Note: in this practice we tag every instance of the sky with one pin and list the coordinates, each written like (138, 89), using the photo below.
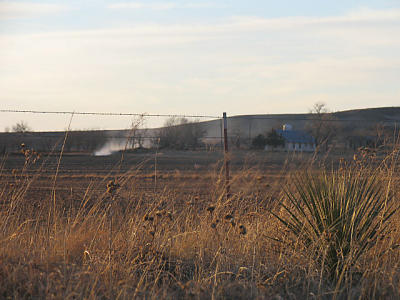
(194, 57)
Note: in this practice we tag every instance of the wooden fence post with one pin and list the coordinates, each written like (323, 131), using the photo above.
(226, 157)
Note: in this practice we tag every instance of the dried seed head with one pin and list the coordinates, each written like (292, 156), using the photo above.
(243, 270)
(112, 187)
(228, 217)
(211, 209)
(242, 229)
(148, 218)
(169, 215)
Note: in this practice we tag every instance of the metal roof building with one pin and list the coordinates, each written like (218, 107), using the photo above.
(295, 140)
(294, 136)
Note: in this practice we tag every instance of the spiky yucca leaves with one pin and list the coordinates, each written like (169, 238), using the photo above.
(338, 214)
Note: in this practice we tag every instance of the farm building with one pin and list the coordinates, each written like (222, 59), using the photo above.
(295, 140)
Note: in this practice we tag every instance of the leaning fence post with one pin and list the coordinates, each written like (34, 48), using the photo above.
(226, 157)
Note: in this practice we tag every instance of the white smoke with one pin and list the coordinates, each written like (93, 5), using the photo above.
(109, 148)
(115, 145)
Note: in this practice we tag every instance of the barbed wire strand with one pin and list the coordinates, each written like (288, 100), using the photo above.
(311, 117)
(36, 135)
(107, 114)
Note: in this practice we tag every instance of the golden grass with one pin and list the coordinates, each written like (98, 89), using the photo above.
(169, 243)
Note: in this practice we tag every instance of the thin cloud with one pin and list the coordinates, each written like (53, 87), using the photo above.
(12, 9)
(160, 5)
(360, 16)
(350, 59)
(348, 27)
(142, 5)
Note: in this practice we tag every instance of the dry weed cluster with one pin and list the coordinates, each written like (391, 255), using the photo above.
(127, 243)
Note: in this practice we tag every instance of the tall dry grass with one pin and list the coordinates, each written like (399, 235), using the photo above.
(168, 243)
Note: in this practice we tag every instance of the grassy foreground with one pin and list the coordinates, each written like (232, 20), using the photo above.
(126, 242)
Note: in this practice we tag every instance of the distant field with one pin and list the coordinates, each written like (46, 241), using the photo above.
(168, 161)
(195, 169)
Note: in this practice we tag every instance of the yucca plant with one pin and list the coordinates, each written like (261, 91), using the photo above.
(338, 215)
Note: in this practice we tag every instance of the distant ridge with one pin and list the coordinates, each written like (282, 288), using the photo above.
(251, 125)
(241, 128)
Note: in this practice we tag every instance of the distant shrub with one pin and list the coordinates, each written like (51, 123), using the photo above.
(259, 142)
(274, 139)
(180, 134)
(271, 139)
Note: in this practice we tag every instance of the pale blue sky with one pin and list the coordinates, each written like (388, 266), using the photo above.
(195, 57)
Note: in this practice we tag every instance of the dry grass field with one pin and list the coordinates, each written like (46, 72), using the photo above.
(159, 226)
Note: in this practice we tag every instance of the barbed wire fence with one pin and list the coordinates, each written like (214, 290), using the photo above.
(123, 135)
(295, 117)
(221, 137)
(216, 136)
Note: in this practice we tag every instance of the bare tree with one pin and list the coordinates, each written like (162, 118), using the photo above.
(136, 133)
(21, 127)
(322, 125)
(236, 138)
(181, 134)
